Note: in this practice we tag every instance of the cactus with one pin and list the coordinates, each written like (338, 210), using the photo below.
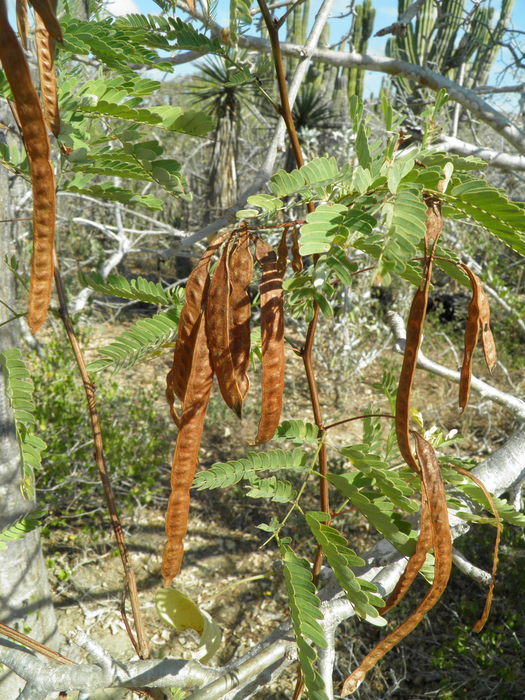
(433, 40)
(358, 41)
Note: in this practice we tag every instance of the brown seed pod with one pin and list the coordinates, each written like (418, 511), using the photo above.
(38, 153)
(218, 326)
(297, 261)
(186, 453)
(45, 49)
(196, 289)
(21, 21)
(282, 252)
(46, 9)
(487, 339)
(415, 323)
(442, 543)
(471, 338)
(241, 274)
(272, 336)
(416, 561)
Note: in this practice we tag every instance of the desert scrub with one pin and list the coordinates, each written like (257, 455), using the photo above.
(137, 441)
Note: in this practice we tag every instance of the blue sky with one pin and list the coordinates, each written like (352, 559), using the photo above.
(386, 13)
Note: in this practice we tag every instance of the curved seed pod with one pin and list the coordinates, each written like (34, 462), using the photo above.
(442, 543)
(21, 21)
(282, 252)
(218, 326)
(45, 49)
(241, 273)
(487, 339)
(272, 335)
(38, 153)
(415, 323)
(480, 624)
(186, 454)
(196, 289)
(416, 561)
(46, 9)
(471, 338)
(297, 261)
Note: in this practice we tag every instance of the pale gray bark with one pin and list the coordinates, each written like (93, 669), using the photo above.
(25, 598)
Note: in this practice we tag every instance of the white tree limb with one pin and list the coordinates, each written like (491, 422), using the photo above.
(498, 159)
(511, 403)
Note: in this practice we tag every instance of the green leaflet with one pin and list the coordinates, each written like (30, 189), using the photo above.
(489, 207)
(378, 512)
(222, 474)
(390, 483)
(137, 288)
(20, 392)
(341, 558)
(317, 173)
(305, 609)
(322, 225)
(504, 509)
(407, 224)
(139, 342)
(21, 527)
(106, 190)
(277, 490)
(297, 431)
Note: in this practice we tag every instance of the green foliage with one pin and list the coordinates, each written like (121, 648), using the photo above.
(318, 173)
(143, 340)
(305, 609)
(20, 528)
(136, 439)
(137, 289)
(335, 547)
(222, 474)
(20, 390)
(297, 431)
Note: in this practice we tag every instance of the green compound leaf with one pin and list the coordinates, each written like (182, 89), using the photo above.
(341, 558)
(317, 173)
(222, 474)
(21, 527)
(20, 387)
(142, 340)
(137, 289)
(378, 511)
(322, 225)
(390, 483)
(298, 431)
(305, 609)
(272, 489)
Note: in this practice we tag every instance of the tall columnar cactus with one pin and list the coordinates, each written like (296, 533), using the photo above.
(358, 41)
(452, 38)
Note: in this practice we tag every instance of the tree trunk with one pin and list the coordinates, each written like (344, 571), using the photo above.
(25, 597)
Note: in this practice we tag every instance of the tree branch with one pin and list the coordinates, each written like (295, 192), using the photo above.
(511, 403)
(498, 159)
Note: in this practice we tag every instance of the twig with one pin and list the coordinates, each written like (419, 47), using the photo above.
(100, 460)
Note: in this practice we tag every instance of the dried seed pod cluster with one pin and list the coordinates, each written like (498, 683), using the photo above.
(34, 132)
(434, 522)
(214, 339)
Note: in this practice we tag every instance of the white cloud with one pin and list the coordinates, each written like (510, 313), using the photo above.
(122, 7)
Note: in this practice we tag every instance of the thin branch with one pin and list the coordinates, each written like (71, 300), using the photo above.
(498, 159)
(511, 403)
(100, 459)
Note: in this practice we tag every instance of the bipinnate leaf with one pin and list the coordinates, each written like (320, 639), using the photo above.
(140, 341)
(321, 227)
(20, 388)
(305, 610)
(298, 431)
(316, 173)
(433, 486)
(222, 474)
(341, 558)
(272, 341)
(136, 288)
(186, 454)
